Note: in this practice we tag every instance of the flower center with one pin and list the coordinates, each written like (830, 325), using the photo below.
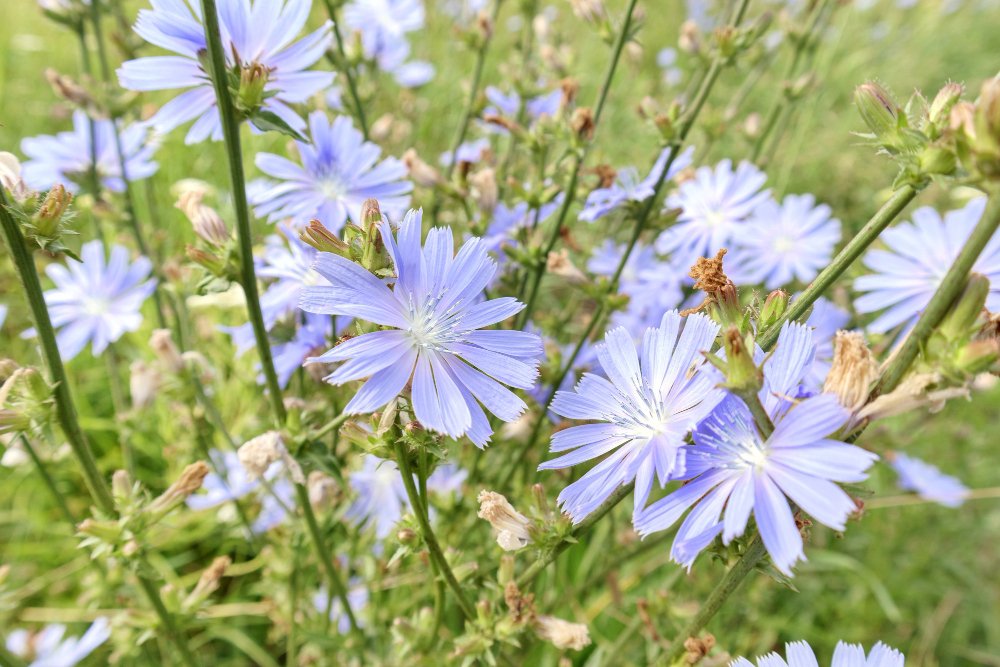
(331, 188)
(96, 306)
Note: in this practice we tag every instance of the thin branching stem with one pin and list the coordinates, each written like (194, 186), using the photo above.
(348, 69)
(231, 134)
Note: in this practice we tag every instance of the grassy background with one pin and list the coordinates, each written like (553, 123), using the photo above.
(917, 576)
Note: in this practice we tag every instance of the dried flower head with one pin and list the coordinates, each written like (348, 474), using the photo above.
(257, 455)
(562, 634)
(853, 371)
(511, 527)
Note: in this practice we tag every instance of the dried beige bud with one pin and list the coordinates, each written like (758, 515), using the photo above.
(511, 527)
(484, 189)
(322, 489)
(257, 455)
(591, 11)
(68, 89)
(690, 38)
(190, 481)
(582, 123)
(562, 634)
(208, 583)
(420, 172)
(708, 274)
(10, 177)
(205, 220)
(144, 381)
(853, 371)
(558, 263)
(162, 344)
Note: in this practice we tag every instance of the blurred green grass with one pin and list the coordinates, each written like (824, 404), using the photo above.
(919, 577)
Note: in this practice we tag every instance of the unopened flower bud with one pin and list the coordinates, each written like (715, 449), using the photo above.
(407, 536)
(374, 254)
(774, 307)
(879, 111)
(511, 527)
(47, 220)
(978, 356)
(690, 37)
(591, 11)
(208, 582)
(121, 485)
(570, 87)
(205, 220)
(420, 172)
(250, 96)
(321, 238)
(484, 189)
(68, 89)
(962, 321)
(190, 480)
(257, 455)
(943, 102)
(562, 634)
(25, 400)
(853, 371)
(742, 374)
(322, 489)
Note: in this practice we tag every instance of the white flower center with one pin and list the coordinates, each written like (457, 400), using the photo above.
(331, 188)
(96, 306)
(784, 244)
(430, 329)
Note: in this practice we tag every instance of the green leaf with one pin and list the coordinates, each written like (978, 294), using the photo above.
(269, 121)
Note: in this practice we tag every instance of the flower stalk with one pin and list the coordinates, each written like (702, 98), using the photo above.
(231, 134)
(352, 86)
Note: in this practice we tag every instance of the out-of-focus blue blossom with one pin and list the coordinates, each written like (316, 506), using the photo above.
(381, 495)
(261, 32)
(234, 485)
(95, 301)
(714, 205)
(357, 597)
(652, 285)
(65, 158)
(436, 340)
(783, 242)
(666, 59)
(275, 505)
(48, 648)
(383, 25)
(470, 152)
(928, 481)
(800, 654)
(628, 187)
(641, 413)
(339, 170)
(508, 105)
(732, 471)
(3, 313)
(826, 319)
(507, 220)
(918, 255)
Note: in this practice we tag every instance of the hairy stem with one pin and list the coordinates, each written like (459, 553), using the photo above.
(437, 555)
(65, 409)
(167, 620)
(950, 289)
(50, 483)
(334, 582)
(248, 276)
(857, 245)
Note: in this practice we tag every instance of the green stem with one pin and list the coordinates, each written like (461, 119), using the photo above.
(437, 555)
(470, 103)
(119, 402)
(734, 577)
(332, 425)
(569, 192)
(65, 409)
(348, 69)
(334, 582)
(167, 620)
(231, 133)
(548, 557)
(951, 287)
(291, 659)
(857, 245)
(50, 483)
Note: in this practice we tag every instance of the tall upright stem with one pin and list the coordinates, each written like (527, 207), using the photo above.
(844, 259)
(352, 86)
(65, 409)
(951, 287)
(231, 134)
(437, 555)
(470, 103)
(569, 192)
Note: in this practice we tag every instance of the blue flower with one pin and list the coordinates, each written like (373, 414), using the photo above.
(96, 302)
(394, 59)
(509, 105)
(508, 220)
(357, 597)
(275, 506)
(470, 152)
(233, 485)
(652, 285)
(666, 59)
(627, 186)
(732, 471)
(48, 648)
(783, 242)
(258, 32)
(434, 312)
(713, 204)
(927, 481)
(383, 25)
(339, 171)
(66, 157)
(800, 654)
(642, 413)
(919, 254)
(381, 494)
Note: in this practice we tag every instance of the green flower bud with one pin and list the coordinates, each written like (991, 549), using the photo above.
(944, 101)
(374, 255)
(47, 220)
(962, 321)
(774, 307)
(250, 94)
(321, 238)
(879, 111)
(978, 356)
